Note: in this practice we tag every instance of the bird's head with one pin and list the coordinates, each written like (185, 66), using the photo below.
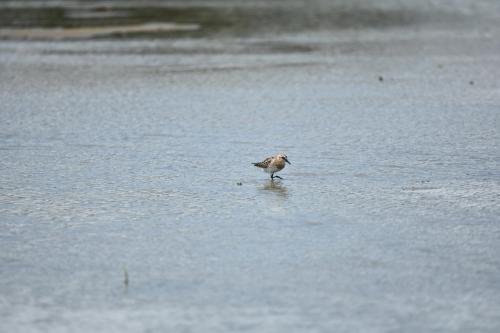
(284, 157)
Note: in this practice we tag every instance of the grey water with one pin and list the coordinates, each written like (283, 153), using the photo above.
(128, 202)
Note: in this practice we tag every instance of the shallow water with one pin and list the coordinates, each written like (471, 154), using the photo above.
(126, 156)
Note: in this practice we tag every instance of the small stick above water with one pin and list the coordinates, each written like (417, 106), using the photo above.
(125, 277)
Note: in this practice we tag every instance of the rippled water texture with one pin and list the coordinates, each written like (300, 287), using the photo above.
(128, 201)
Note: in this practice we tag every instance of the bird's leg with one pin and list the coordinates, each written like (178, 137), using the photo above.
(278, 177)
(272, 175)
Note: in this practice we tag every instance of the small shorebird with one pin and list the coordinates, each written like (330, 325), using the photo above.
(273, 164)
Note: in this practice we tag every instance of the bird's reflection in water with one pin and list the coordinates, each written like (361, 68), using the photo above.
(276, 187)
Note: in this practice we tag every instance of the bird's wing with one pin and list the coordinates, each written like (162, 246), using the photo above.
(264, 164)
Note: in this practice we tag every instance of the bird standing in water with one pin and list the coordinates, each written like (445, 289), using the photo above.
(273, 164)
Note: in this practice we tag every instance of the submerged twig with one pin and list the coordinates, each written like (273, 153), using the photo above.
(125, 277)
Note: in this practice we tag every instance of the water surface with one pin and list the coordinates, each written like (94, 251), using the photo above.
(127, 154)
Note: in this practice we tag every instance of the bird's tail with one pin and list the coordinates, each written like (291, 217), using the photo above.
(259, 165)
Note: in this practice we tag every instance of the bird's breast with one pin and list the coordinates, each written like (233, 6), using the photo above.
(279, 164)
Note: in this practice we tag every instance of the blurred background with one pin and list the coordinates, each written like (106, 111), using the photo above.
(32, 19)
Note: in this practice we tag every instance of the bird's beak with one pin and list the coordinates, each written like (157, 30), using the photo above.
(287, 161)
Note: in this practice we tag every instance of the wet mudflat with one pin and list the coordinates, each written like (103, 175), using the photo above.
(124, 152)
